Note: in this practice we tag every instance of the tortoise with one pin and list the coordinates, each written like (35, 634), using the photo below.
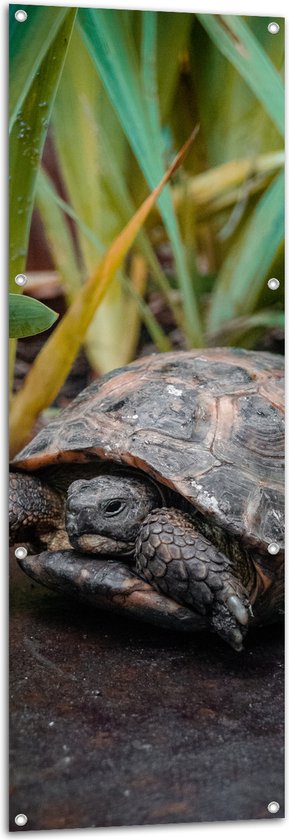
(158, 492)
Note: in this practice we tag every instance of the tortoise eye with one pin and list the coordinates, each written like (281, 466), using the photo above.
(113, 507)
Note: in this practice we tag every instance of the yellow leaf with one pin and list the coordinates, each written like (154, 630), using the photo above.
(54, 361)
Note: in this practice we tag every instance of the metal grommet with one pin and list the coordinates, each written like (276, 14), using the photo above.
(273, 284)
(273, 28)
(21, 15)
(21, 552)
(273, 807)
(21, 820)
(273, 548)
(21, 279)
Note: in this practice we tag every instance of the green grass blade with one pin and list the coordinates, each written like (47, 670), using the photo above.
(46, 190)
(27, 139)
(125, 208)
(52, 364)
(99, 199)
(234, 39)
(80, 165)
(58, 234)
(231, 332)
(218, 181)
(149, 79)
(149, 82)
(173, 34)
(116, 183)
(117, 67)
(112, 52)
(52, 210)
(242, 276)
(161, 341)
(26, 144)
(82, 109)
(28, 46)
(50, 206)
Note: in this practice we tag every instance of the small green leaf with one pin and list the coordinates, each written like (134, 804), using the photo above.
(28, 316)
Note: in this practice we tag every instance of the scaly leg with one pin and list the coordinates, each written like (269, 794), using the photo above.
(177, 560)
(35, 512)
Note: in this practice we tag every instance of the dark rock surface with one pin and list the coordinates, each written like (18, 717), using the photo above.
(117, 723)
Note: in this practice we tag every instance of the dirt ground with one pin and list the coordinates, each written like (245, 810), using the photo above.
(117, 723)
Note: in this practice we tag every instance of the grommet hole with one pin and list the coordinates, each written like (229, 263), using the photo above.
(273, 284)
(273, 27)
(273, 548)
(21, 16)
(21, 552)
(273, 807)
(21, 820)
(21, 279)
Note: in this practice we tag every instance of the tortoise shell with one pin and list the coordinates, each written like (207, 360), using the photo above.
(206, 423)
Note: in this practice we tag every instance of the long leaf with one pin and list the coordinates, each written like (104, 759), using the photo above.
(49, 202)
(56, 357)
(47, 191)
(204, 188)
(235, 40)
(53, 209)
(28, 45)
(82, 109)
(116, 183)
(135, 292)
(58, 234)
(243, 273)
(173, 35)
(26, 145)
(231, 331)
(115, 58)
(102, 203)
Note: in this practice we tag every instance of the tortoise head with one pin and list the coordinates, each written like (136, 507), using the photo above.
(104, 514)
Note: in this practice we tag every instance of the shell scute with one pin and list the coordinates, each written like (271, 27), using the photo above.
(207, 423)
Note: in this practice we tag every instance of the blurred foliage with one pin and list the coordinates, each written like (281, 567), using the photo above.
(124, 90)
(55, 359)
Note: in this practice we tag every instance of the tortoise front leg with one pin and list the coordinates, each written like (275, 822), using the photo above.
(35, 512)
(179, 561)
(110, 585)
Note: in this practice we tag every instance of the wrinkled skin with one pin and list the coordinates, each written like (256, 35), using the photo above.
(161, 544)
(169, 552)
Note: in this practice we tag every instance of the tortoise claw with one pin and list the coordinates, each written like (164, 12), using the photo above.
(226, 625)
(231, 613)
(236, 640)
(238, 609)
